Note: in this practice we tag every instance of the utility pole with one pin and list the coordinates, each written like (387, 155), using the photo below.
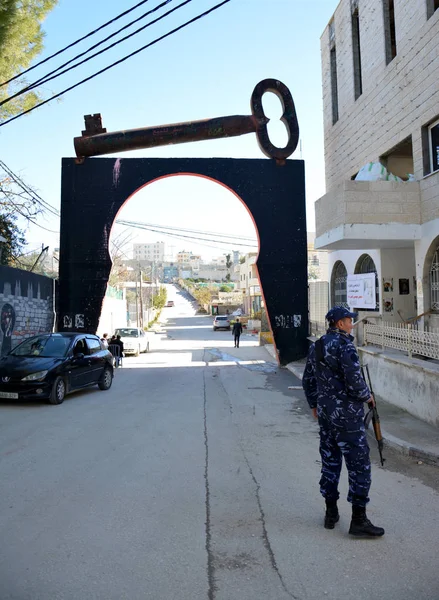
(137, 305)
(141, 300)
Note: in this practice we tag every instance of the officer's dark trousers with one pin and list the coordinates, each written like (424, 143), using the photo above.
(344, 436)
(237, 340)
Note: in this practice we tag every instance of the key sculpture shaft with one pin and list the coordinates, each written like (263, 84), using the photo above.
(96, 141)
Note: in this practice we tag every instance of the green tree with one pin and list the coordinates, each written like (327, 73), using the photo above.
(21, 40)
(14, 240)
(159, 299)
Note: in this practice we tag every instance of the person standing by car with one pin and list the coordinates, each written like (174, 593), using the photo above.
(236, 332)
(118, 342)
(104, 340)
(336, 392)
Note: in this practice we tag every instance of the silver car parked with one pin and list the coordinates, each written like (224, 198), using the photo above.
(221, 322)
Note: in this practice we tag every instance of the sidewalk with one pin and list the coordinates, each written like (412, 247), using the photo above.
(401, 431)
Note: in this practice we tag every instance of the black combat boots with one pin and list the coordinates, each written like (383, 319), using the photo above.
(331, 516)
(361, 526)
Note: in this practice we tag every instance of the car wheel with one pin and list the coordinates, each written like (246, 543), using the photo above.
(58, 392)
(106, 379)
(214, 328)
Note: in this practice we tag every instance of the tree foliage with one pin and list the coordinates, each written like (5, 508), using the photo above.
(14, 240)
(21, 40)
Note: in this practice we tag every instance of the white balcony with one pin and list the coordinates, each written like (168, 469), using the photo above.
(370, 214)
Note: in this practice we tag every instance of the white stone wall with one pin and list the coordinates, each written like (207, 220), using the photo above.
(391, 263)
(409, 383)
(398, 99)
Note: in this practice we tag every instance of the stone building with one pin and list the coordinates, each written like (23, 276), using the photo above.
(381, 105)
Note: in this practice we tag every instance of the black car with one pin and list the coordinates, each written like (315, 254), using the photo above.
(52, 365)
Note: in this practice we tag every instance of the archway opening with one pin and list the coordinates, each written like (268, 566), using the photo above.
(190, 230)
(339, 279)
(365, 264)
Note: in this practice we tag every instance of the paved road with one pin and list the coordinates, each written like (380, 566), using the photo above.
(195, 477)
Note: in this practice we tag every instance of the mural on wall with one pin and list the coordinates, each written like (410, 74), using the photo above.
(26, 306)
(7, 324)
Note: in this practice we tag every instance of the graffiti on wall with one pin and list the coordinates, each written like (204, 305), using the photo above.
(26, 306)
(7, 324)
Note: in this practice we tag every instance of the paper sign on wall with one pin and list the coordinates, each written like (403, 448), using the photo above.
(361, 291)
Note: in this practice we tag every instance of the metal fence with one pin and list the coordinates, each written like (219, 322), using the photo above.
(404, 338)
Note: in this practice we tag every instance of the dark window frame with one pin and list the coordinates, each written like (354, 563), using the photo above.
(356, 52)
(432, 7)
(339, 290)
(389, 30)
(365, 264)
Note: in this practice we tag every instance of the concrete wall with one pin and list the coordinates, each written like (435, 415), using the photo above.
(411, 384)
(398, 99)
(26, 305)
(113, 315)
(369, 202)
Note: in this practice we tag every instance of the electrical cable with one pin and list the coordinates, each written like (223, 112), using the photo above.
(91, 33)
(224, 235)
(118, 62)
(54, 74)
(34, 195)
(195, 238)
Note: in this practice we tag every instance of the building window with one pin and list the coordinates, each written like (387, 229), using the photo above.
(389, 29)
(432, 7)
(365, 264)
(334, 86)
(339, 285)
(358, 82)
(433, 142)
(434, 281)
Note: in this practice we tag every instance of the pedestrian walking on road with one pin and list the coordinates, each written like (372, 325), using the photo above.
(336, 392)
(236, 332)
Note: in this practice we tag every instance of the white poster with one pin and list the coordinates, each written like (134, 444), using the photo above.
(361, 291)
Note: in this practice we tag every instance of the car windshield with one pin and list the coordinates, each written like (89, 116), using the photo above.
(127, 332)
(48, 346)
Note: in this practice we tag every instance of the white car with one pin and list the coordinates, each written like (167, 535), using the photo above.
(134, 339)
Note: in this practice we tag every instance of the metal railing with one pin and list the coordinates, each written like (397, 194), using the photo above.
(403, 337)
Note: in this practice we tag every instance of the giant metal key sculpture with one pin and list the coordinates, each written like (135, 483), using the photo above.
(95, 140)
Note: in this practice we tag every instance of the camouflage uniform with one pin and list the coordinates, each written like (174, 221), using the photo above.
(335, 386)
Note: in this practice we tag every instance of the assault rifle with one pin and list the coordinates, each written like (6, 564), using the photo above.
(373, 415)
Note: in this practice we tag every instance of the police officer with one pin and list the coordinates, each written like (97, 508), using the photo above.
(336, 392)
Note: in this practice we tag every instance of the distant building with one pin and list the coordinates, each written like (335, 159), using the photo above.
(317, 260)
(183, 258)
(249, 284)
(149, 252)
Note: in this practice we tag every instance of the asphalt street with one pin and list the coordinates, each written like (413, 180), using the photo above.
(196, 477)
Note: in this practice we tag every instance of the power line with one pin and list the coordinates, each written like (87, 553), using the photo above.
(29, 191)
(91, 33)
(54, 74)
(214, 233)
(227, 243)
(118, 62)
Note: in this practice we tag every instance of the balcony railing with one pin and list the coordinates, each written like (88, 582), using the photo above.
(404, 338)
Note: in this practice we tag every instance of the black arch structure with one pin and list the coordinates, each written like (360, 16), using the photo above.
(93, 191)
